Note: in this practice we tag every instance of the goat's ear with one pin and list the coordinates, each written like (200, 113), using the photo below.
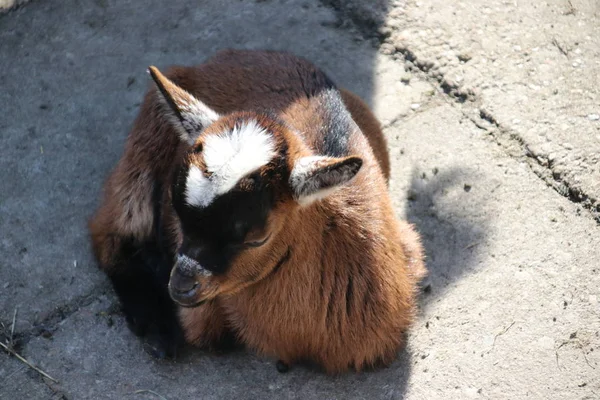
(316, 177)
(189, 115)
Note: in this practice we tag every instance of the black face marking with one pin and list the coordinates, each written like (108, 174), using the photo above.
(215, 235)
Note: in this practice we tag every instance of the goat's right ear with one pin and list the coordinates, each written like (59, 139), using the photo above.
(190, 116)
(316, 177)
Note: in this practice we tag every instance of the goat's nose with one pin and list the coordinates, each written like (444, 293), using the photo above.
(183, 288)
(182, 283)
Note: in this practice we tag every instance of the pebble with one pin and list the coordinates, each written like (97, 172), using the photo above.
(387, 49)
(415, 106)
(464, 57)
(593, 117)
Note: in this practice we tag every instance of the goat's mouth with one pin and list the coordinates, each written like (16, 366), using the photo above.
(184, 289)
(185, 298)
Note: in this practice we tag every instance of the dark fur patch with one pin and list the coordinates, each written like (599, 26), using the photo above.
(141, 285)
(337, 126)
(349, 298)
(286, 256)
(282, 261)
(323, 270)
(140, 277)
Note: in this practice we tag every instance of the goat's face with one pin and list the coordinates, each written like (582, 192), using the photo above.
(243, 174)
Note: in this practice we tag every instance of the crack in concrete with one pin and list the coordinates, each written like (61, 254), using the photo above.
(542, 167)
(514, 145)
(49, 323)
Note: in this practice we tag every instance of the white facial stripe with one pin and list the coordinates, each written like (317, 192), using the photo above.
(228, 157)
(232, 155)
(199, 190)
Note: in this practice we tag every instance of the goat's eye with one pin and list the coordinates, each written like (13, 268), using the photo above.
(257, 243)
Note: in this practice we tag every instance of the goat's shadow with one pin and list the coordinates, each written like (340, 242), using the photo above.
(260, 378)
(450, 237)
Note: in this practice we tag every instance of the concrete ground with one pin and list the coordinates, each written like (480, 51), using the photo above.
(492, 112)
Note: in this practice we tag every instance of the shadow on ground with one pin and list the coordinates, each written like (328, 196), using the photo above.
(450, 242)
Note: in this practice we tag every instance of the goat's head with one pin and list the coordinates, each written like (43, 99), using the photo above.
(243, 173)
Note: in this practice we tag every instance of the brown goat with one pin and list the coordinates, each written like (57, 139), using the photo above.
(258, 191)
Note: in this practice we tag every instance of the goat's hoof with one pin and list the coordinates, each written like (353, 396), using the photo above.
(282, 367)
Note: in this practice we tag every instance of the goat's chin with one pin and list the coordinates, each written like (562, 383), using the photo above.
(188, 304)
(211, 292)
(188, 299)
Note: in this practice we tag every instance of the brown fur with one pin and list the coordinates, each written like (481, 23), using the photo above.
(337, 283)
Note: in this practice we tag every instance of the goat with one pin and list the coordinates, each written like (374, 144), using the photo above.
(253, 193)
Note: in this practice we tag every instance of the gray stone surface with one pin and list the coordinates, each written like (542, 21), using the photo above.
(19, 382)
(511, 307)
(529, 72)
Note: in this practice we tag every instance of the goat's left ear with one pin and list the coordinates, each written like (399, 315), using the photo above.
(190, 116)
(316, 177)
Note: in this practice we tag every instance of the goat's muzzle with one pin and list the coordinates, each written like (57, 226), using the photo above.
(184, 285)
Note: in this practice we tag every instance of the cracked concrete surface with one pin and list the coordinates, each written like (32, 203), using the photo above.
(489, 109)
(530, 70)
